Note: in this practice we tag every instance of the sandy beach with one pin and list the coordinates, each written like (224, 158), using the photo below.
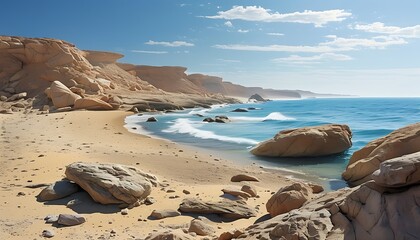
(36, 149)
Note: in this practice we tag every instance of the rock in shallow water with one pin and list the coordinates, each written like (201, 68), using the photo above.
(112, 183)
(307, 142)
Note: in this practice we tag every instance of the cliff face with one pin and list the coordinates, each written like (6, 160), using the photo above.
(170, 79)
(32, 64)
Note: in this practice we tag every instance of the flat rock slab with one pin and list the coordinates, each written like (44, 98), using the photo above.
(57, 190)
(111, 183)
(164, 213)
(70, 220)
(226, 208)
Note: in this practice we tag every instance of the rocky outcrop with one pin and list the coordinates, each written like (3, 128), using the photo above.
(169, 234)
(365, 161)
(383, 208)
(307, 142)
(111, 183)
(99, 57)
(57, 190)
(225, 208)
(256, 97)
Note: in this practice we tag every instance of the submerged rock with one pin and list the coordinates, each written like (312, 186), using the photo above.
(221, 119)
(240, 110)
(151, 119)
(307, 142)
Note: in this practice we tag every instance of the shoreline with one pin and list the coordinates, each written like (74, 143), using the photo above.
(38, 147)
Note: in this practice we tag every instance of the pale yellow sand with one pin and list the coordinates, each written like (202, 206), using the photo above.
(36, 149)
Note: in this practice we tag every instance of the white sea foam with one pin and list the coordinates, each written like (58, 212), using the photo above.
(274, 116)
(186, 126)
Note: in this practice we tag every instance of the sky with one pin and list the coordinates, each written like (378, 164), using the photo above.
(358, 47)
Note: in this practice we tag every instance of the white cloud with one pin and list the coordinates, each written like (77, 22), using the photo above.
(243, 31)
(228, 24)
(170, 44)
(275, 34)
(380, 42)
(335, 44)
(150, 52)
(378, 27)
(260, 14)
(275, 48)
(296, 59)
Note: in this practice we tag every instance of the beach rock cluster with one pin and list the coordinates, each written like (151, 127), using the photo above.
(367, 160)
(307, 142)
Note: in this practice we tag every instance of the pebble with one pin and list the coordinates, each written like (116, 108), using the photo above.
(124, 211)
(48, 233)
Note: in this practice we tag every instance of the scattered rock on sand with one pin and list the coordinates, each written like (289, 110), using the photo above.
(307, 142)
(288, 198)
(51, 219)
(249, 189)
(57, 190)
(225, 208)
(17, 96)
(124, 211)
(70, 219)
(164, 213)
(234, 191)
(186, 192)
(48, 233)
(201, 228)
(169, 234)
(149, 200)
(111, 183)
(244, 177)
(151, 119)
(365, 161)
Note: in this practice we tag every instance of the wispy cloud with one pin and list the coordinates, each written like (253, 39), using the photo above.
(228, 24)
(380, 42)
(170, 44)
(228, 60)
(275, 34)
(335, 44)
(260, 14)
(378, 27)
(149, 52)
(243, 31)
(296, 59)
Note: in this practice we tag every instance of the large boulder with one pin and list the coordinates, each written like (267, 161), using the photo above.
(307, 142)
(61, 95)
(92, 104)
(111, 183)
(365, 161)
(225, 208)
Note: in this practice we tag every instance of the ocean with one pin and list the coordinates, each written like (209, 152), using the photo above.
(368, 118)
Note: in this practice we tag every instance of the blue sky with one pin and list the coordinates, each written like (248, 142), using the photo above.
(367, 48)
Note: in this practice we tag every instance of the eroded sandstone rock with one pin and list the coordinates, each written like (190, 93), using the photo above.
(307, 142)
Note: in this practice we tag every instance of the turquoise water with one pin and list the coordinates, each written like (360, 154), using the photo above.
(368, 118)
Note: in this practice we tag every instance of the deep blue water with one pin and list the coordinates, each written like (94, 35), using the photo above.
(368, 118)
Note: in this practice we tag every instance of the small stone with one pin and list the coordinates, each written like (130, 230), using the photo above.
(70, 220)
(170, 191)
(186, 191)
(165, 213)
(48, 233)
(51, 218)
(3, 98)
(151, 119)
(149, 200)
(73, 203)
(113, 231)
(124, 211)
(20, 194)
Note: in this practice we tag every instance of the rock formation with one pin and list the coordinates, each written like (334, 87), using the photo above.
(57, 190)
(111, 183)
(386, 207)
(307, 142)
(365, 161)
